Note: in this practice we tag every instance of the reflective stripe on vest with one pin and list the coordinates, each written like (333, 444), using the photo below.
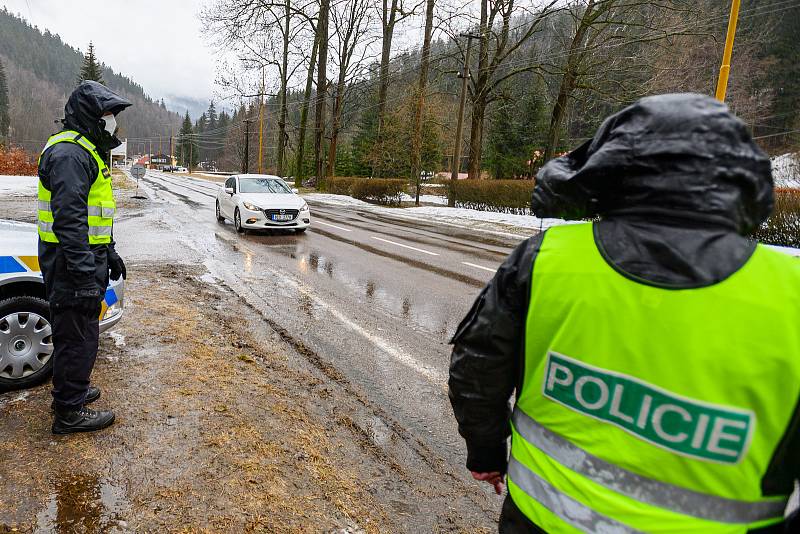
(639, 410)
(680, 500)
(101, 206)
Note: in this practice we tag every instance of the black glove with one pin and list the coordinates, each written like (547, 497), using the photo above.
(116, 265)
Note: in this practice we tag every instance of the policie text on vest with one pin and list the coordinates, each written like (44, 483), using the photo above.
(682, 425)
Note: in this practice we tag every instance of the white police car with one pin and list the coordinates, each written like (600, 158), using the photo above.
(26, 344)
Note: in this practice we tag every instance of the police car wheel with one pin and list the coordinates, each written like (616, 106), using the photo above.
(220, 218)
(26, 342)
(237, 221)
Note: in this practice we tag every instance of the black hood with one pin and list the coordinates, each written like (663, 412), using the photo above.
(86, 105)
(680, 156)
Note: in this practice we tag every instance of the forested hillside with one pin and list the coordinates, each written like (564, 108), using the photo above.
(41, 70)
(541, 82)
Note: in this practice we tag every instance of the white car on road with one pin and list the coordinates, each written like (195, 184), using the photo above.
(262, 202)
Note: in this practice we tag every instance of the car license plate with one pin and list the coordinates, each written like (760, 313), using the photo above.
(282, 217)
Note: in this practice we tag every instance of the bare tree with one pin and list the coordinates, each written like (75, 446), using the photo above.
(425, 60)
(504, 27)
(610, 52)
(352, 35)
(322, 91)
(392, 13)
(261, 33)
(301, 134)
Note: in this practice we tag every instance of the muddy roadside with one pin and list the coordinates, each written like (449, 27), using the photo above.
(225, 424)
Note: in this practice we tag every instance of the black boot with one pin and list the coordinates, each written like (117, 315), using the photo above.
(92, 394)
(82, 420)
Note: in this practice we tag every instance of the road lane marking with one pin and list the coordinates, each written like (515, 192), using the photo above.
(479, 266)
(405, 246)
(332, 226)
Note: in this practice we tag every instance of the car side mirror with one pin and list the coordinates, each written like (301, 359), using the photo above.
(295, 190)
(229, 190)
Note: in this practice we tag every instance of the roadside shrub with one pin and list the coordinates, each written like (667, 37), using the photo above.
(380, 190)
(783, 226)
(16, 162)
(340, 186)
(504, 196)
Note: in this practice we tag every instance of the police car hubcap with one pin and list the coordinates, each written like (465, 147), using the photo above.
(26, 344)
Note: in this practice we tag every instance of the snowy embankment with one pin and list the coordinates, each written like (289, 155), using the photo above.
(466, 218)
(786, 171)
(18, 186)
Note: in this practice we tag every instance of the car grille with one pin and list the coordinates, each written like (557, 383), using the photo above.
(270, 213)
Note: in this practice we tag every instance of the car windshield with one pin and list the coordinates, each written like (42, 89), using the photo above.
(262, 185)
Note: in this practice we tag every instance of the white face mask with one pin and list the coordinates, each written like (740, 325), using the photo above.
(111, 123)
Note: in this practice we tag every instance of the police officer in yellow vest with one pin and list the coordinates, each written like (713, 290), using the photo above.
(655, 352)
(76, 247)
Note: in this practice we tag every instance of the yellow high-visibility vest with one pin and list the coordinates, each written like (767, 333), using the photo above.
(101, 206)
(653, 409)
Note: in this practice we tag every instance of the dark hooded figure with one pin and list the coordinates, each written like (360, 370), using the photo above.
(76, 247)
(654, 353)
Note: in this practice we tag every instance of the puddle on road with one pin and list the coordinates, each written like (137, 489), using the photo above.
(83, 503)
(315, 262)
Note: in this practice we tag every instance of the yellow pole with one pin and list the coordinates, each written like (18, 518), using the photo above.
(261, 125)
(725, 69)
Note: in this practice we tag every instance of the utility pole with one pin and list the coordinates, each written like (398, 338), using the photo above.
(261, 123)
(725, 69)
(456, 166)
(246, 163)
(191, 143)
(170, 145)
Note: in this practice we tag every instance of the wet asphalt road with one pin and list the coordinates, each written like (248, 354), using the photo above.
(374, 296)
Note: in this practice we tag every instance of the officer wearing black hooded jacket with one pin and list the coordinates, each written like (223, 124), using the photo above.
(654, 353)
(74, 255)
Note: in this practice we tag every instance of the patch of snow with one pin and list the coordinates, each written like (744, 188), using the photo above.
(119, 339)
(462, 215)
(426, 199)
(210, 279)
(11, 398)
(18, 186)
(786, 170)
(337, 200)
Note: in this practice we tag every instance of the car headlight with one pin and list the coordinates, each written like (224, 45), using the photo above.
(112, 311)
(251, 207)
(304, 207)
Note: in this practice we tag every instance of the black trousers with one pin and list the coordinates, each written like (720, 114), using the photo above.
(75, 339)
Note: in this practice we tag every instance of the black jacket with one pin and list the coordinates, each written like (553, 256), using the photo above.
(73, 268)
(676, 183)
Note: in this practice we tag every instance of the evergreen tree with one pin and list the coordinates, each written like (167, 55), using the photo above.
(187, 148)
(5, 120)
(514, 135)
(211, 117)
(91, 69)
(364, 141)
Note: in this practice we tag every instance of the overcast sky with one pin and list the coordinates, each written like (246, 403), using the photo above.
(157, 43)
